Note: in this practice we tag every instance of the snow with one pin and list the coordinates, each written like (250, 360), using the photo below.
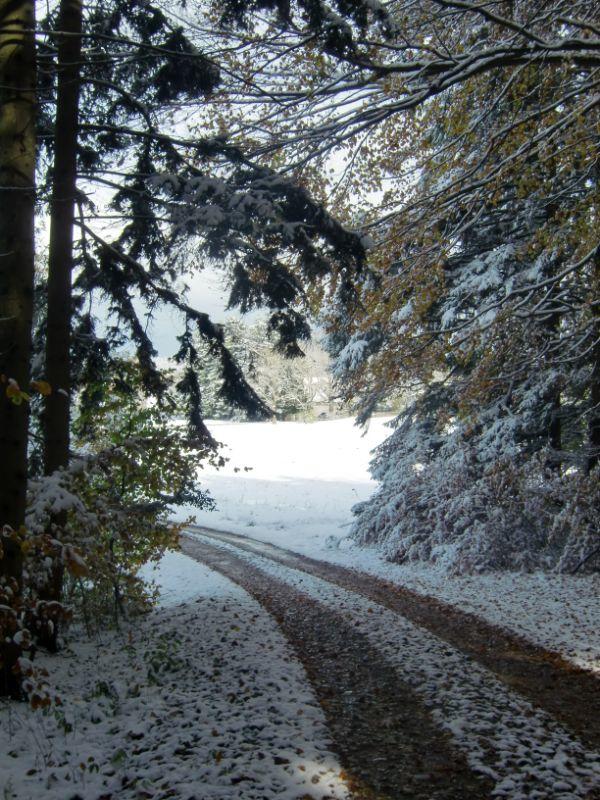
(558, 612)
(204, 700)
(304, 480)
(179, 579)
(521, 749)
(351, 356)
(49, 495)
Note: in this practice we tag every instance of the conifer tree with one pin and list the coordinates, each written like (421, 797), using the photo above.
(114, 77)
(481, 152)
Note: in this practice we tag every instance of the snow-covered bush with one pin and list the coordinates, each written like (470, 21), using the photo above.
(89, 528)
(441, 501)
(136, 465)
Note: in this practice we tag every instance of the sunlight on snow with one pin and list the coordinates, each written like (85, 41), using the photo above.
(303, 479)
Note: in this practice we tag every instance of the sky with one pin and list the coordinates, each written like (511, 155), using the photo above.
(208, 294)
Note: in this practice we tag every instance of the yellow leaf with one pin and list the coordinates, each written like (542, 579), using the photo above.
(43, 387)
(14, 393)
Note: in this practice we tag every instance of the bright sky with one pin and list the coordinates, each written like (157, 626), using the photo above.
(208, 294)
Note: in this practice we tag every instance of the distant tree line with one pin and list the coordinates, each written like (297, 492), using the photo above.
(292, 388)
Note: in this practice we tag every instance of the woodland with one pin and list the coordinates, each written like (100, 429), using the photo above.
(419, 181)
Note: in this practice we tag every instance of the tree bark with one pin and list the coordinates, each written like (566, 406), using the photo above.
(60, 266)
(594, 423)
(555, 437)
(17, 201)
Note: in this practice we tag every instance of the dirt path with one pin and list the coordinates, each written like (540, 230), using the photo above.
(569, 694)
(390, 747)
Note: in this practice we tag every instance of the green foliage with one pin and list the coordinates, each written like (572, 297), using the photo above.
(164, 659)
(147, 464)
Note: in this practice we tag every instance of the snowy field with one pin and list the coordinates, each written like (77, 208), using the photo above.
(303, 480)
(291, 481)
(204, 700)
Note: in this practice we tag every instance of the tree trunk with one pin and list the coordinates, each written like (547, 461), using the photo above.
(17, 201)
(60, 267)
(555, 438)
(594, 423)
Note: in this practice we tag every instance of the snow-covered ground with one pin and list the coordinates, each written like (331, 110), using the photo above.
(524, 752)
(303, 480)
(203, 700)
(295, 481)
(179, 579)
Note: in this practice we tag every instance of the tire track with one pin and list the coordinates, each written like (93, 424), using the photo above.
(569, 694)
(387, 741)
(522, 750)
